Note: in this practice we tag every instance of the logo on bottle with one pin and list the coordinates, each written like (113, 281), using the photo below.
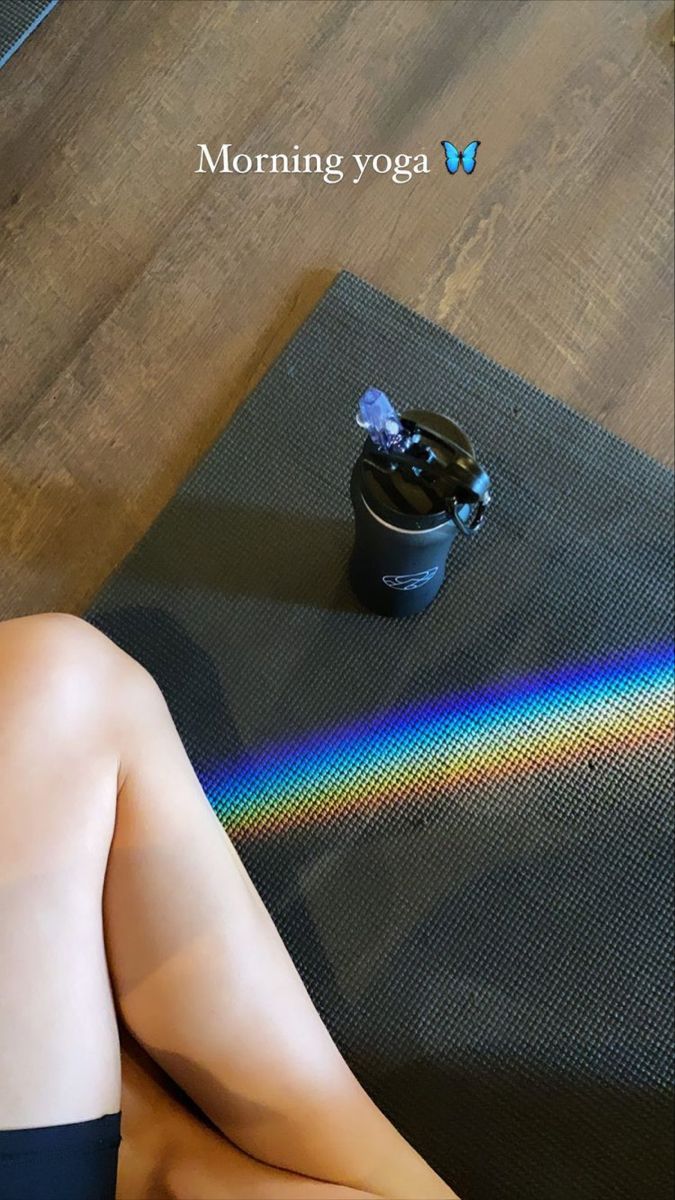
(408, 583)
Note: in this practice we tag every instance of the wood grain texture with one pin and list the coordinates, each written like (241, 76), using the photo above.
(140, 301)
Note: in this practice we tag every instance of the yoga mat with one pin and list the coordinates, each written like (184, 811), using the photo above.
(18, 19)
(460, 822)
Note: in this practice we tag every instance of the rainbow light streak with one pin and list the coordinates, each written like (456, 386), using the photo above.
(549, 721)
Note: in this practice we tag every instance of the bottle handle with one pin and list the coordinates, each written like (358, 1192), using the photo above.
(475, 521)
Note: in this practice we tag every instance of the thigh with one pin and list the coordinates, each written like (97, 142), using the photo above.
(59, 1051)
(169, 1149)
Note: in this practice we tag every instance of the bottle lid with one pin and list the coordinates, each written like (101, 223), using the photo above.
(436, 479)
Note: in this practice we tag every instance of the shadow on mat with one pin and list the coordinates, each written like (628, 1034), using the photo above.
(283, 556)
(502, 1135)
(492, 1137)
(184, 671)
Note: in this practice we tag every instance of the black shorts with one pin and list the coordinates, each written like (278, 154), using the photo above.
(61, 1162)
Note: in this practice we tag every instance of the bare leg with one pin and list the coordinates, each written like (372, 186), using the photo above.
(59, 1047)
(199, 971)
(168, 1150)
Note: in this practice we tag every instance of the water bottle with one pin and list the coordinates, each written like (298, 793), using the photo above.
(415, 486)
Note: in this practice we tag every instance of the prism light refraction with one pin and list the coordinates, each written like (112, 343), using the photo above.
(425, 752)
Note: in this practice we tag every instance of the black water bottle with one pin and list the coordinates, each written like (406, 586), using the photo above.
(414, 487)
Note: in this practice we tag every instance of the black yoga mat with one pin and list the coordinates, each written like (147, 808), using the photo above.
(18, 19)
(460, 822)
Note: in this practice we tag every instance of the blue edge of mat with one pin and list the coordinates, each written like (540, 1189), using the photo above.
(27, 31)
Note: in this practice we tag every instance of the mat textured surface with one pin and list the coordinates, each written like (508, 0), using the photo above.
(18, 19)
(460, 822)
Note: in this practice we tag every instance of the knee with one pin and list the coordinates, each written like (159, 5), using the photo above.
(48, 645)
(56, 668)
(58, 755)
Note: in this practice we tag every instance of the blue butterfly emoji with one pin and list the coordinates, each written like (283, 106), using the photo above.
(467, 157)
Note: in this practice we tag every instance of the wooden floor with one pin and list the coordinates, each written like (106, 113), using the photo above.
(140, 300)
